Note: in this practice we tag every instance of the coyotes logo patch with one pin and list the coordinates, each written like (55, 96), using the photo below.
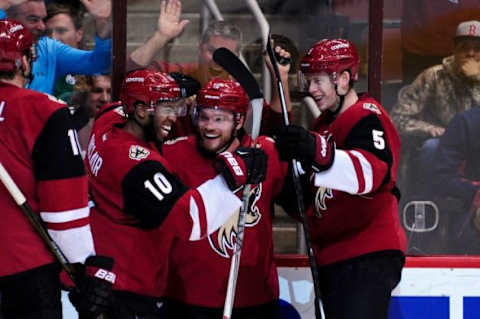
(138, 152)
(320, 200)
(372, 107)
(223, 240)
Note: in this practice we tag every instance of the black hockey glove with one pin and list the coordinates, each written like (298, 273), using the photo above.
(309, 148)
(244, 166)
(93, 294)
(188, 85)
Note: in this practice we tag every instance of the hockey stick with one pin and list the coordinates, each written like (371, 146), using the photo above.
(21, 201)
(264, 28)
(213, 9)
(232, 64)
(235, 67)
(298, 188)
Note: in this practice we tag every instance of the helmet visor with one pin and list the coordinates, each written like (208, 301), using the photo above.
(307, 80)
(168, 108)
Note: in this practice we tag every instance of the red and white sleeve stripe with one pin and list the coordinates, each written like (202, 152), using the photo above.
(65, 212)
(211, 205)
(71, 231)
(354, 172)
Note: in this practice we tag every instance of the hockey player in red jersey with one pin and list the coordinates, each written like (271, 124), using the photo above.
(352, 154)
(141, 206)
(40, 151)
(199, 271)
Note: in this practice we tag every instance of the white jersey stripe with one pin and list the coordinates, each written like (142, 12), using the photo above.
(195, 234)
(75, 243)
(342, 175)
(367, 171)
(65, 216)
(220, 204)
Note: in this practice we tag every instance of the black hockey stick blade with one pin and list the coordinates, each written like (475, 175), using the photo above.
(232, 64)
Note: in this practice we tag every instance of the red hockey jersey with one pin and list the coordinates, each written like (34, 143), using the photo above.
(354, 210)
(141, 207)
(199, 270)
(39, 148)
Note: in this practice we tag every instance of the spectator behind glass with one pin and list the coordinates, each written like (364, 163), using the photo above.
(65, 24)
(218, 34)
(425, 27)
(91, 93)
(457, 177)
(56, 59)
(426, 106)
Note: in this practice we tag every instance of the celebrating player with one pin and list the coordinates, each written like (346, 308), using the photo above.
(352, 153)
(40, 150)
(199, 271)
(141, 206)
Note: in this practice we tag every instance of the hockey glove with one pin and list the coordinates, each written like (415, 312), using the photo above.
(244, 166)
(309, 148)
(93, 294)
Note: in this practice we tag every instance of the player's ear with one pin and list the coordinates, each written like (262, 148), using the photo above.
(141, 111)
(343, 82)
(240, 122)
(26, 66)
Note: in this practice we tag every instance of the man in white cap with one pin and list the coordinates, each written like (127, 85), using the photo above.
(426, 106)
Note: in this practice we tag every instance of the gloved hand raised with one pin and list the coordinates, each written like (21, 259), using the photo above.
(93, 294)
(243, 166)
(309, 148)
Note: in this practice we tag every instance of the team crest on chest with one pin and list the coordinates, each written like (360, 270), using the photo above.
(138, 152)
(223, 240)
(321, 200)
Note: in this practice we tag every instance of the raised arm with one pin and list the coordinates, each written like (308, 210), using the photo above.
(283, 67)
(169, 26)
(101, 11)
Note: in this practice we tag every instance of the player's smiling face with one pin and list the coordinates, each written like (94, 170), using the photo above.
(322, 89)
(215, 129)
(165, 116)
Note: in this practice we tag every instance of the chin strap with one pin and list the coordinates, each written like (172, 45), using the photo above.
(341, 100)
(28, 77)
(148, 129)
(239, 134)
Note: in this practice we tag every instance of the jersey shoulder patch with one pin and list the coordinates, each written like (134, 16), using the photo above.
(138, 153)
(372, 107)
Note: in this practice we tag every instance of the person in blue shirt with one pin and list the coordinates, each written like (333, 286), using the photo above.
(55, 59)
(456, 181)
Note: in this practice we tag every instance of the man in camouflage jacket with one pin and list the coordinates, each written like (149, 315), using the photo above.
(426, 106)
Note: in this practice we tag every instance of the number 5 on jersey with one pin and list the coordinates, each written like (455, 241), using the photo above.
(378, 140)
